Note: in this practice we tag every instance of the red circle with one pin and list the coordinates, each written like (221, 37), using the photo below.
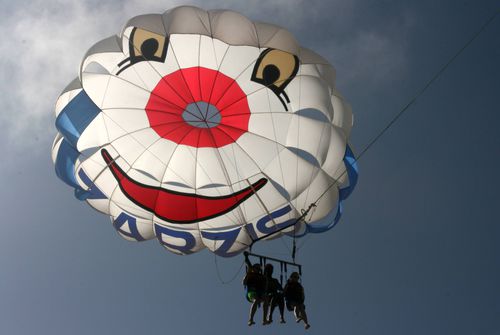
(175, 91)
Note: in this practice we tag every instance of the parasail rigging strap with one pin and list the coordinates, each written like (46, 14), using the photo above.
(281, 274)
(283, 264)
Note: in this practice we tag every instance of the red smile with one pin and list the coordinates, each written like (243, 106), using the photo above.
(176, 206)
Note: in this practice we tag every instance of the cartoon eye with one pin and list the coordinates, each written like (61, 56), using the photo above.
(275, 69)
(145, 45)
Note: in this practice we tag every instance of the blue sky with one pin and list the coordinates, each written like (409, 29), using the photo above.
(416, 252)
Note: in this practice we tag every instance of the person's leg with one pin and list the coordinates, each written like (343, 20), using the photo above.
(302, 312)
(296, 312)
(265, 308)
(281, 305)
(272, 306)
(253, 309)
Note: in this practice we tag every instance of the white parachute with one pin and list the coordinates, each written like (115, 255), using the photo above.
(205, 129)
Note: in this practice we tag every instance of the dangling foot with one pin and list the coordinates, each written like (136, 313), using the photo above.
(282, 320)
(250, 322)
(298, 320)
(307, 326)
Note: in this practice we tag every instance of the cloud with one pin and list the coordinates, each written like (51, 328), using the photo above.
(40, 55)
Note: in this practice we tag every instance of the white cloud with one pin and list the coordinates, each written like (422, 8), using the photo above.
(41, 53)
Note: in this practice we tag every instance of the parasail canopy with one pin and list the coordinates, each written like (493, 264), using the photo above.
(203, 129)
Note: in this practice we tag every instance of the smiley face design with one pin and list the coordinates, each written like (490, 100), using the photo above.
(204, 129)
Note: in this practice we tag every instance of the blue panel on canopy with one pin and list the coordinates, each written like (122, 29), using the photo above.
(76, 116)
(65, 163)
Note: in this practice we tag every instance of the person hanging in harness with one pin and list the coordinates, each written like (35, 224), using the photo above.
(294, 296)
(255, 285)
(273, 295)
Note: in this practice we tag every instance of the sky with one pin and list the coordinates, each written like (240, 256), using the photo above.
(416, 252)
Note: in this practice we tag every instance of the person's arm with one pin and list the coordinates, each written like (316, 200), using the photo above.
(247, 261)
(248, 269)
(279, 288)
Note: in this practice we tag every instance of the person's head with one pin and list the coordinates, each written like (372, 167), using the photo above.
(256, 268)
(294, 277)
(268, 269)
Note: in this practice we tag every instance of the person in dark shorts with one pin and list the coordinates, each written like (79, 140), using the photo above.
(273, 295)
(255, 285)
(294, 296)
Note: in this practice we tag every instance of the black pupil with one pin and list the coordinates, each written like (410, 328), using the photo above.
(270, 74)
(149, 48)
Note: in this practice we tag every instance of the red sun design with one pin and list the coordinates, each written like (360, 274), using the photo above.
(198, 107)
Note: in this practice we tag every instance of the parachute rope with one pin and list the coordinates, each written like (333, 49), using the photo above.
(221, 280)
(415, 97)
